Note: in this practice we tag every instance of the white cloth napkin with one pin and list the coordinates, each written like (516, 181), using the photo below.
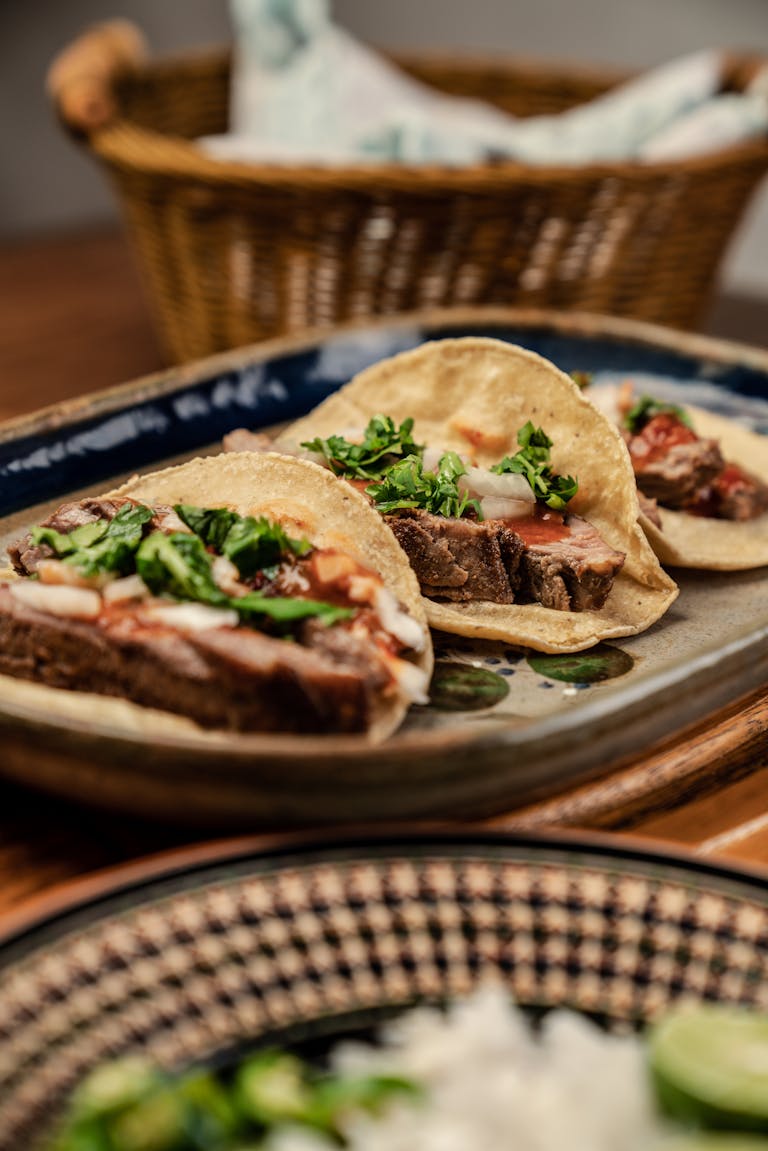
(305, 91)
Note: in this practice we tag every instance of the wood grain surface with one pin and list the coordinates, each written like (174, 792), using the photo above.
(73, 320)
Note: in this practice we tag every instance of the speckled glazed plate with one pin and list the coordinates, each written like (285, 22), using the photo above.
(503, 729)
(198, 956)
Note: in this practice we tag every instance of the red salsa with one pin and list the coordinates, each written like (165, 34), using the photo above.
(543, 527)
(656, 438)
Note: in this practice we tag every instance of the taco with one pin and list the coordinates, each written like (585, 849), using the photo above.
(707, 478)
(249, 593)
(511, 495)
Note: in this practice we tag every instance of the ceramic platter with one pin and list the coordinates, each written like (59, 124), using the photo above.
(200, 955)
(504, 727)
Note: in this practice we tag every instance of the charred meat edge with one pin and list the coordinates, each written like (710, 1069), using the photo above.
(462, 560)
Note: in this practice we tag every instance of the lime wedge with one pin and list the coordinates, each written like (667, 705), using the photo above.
(709, 1065)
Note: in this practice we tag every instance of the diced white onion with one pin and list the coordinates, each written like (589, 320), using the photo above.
(55, 572)
(57, 599)
(397, 622)
(191, 617)
(509, 485)
(412, 681)
(607, 399)
(169, 521)
(499, 508)
(363, 589)
(312, 457)
(431, 458)
(293, 448)
(293, 582)
(368, 589)
(227, 577)
(131, 587)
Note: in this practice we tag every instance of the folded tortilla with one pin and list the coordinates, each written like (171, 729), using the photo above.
(716, 545)
(473, 395)
(308, 501)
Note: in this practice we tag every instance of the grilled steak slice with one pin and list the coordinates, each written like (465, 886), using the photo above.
(221, 677)
(739, 494)
(573, 571)
(671, 463)
(559, 561)
(460, 559)
(76, 513)
(734, 494)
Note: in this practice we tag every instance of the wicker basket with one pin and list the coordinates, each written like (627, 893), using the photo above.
(233, 253)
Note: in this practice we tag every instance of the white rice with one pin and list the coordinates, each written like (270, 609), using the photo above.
(492, 1084)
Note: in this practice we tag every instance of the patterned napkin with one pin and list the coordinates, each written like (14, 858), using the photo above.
(304, 90)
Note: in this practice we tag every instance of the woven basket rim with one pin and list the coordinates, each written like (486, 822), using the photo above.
(140, 150)
(127, 146)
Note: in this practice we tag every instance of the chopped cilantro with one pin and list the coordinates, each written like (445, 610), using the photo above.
(582, 379)
(251, 544)
(100, 546)
(288, 610)
(406, 485)
(532, 461)
(647, 408)
(129, 1103)
(383, 445)
(66, 543)
(211, 524)
(179, 566)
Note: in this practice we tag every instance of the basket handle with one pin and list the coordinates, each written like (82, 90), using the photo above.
(82, 77)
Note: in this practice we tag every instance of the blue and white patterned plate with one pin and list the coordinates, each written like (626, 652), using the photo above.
(202, 954)
(504, 726)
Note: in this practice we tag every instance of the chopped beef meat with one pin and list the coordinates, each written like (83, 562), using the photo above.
(649, 508)
(353, 648)
(573, 572)
(558, 561)
(682, 471)
(671, 463)
(26, 555)
(460, 559)
(734, 494)
(241, 440)
(73, 515)
(237, 679)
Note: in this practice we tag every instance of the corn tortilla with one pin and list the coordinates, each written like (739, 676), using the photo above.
(472, 395)
(716, 545)
(308, 501)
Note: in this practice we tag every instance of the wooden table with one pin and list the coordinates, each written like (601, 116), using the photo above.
(73, 319)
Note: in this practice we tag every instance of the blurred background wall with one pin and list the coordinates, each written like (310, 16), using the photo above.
(47, 184)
